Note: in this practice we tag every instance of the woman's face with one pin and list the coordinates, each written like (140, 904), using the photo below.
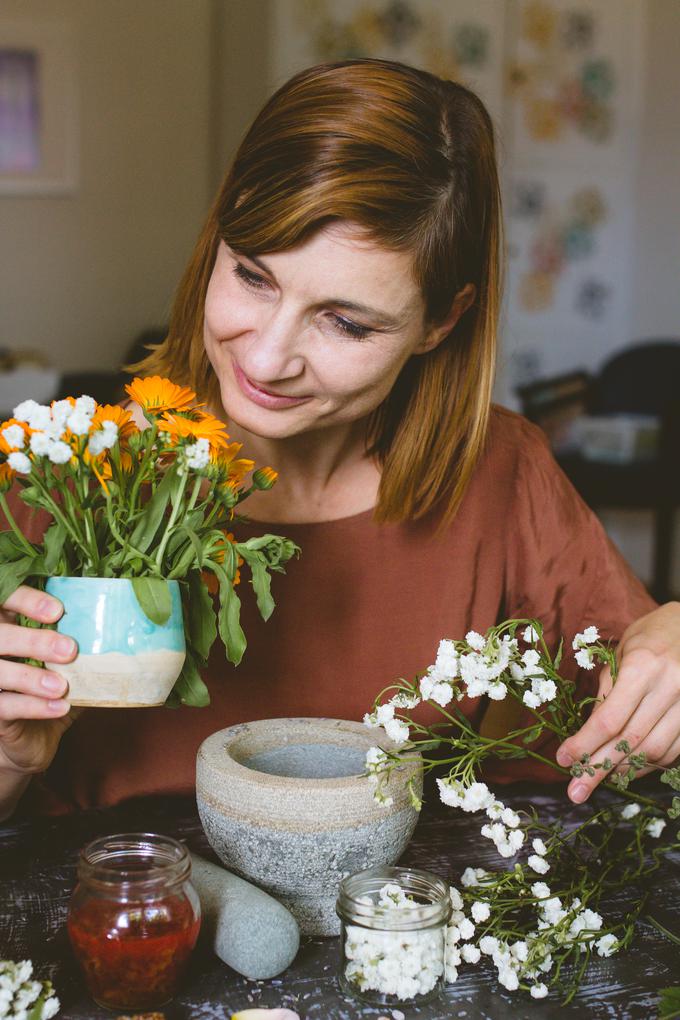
(312, 337)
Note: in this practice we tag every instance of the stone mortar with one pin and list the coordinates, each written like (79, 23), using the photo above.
(295, 834)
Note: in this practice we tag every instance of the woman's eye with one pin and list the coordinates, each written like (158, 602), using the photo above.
(349, 328)
(249, 278)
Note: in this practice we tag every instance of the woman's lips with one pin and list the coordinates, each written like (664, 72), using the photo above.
(272, 401)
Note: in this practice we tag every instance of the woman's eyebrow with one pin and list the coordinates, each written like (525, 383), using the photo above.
(385, 320)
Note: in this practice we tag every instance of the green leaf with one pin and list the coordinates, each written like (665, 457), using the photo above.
(558, 657)
(153, 595)
(262, 584)
(154, 510)
(669, 1007)
(202, 626)
(11, 548)
(229, 618)
(533, 734)
(14, 574)
(189, 688)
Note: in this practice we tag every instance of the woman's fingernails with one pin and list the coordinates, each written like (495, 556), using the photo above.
(564, 759)
(578, 793)
(57, 706)
(53, 684)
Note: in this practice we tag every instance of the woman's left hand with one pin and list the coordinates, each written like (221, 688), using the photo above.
(641, 708)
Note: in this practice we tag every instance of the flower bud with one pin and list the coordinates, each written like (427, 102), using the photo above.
(264, 478)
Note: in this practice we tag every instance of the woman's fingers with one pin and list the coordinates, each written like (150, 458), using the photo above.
(34, 643)
(15, 706)
(23, 679)
(641, 672)
(660, 743)
(35, 604)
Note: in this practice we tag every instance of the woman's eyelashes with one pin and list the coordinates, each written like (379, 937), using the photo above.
(344, 326)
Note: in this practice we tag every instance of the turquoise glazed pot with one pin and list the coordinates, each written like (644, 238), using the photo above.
(124, 660)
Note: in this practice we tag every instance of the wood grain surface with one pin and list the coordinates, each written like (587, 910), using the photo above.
(37, 875)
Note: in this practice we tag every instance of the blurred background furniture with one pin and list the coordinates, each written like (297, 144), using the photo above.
(107, 387)
(642, 383)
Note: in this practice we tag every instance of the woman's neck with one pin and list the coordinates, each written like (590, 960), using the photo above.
(323, 476)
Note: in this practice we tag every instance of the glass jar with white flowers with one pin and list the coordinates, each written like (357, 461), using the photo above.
(393, 935)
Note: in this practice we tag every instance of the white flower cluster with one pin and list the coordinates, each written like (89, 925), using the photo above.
(584, 654)
(20, 995)
(403, 964)
(504, 828)
(376, 767)
(46, 429)
(197, 455)
(523, 959)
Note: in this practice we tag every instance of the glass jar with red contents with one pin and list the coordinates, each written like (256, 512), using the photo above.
(133, 919)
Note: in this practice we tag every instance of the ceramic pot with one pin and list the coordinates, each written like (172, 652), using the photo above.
(283, 803)
(124, 660)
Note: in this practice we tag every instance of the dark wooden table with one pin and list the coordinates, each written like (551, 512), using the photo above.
(37, 874)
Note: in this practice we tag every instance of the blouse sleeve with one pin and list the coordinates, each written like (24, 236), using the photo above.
(563, 570)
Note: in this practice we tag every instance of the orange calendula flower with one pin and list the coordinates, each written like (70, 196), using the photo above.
(202, 426)
(156, 395)
(122, 418)
(7, 474)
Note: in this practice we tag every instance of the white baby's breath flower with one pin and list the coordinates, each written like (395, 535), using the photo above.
(607, 945)
(384, 713)
(480, 911)
(370, 720)
(539, 991)
(497, 691)
(584, 658)
(451, 792)
(531, 658)
(14, 436)
(630, 811)
(447, 659)
(530, 634)
(376, 761)
(470, 953)
(79, 422)
(539, 846)
(588, 637)
(86, 405)
(510, 818)
(517, 672)
(60, 453)
(531, 700)
(472, 877)
(540, 890)
(466, 928)
(404, 700)
(197, 455)
(655, 827)
(475, 640)
(19, 462)
(40, 444)
(397, 730)
(538, 864)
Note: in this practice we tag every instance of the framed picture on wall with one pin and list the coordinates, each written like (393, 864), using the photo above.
(38, 109)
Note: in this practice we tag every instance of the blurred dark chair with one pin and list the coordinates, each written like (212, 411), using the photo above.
(107, 387)
(643, 379)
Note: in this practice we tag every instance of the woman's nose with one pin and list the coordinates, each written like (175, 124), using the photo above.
(275, 349)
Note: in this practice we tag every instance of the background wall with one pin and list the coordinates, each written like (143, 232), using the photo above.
(83, 273)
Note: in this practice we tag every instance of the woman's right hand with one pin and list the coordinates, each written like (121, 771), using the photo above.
(34, 713)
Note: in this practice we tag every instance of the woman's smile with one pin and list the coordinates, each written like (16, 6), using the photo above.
(261, 396)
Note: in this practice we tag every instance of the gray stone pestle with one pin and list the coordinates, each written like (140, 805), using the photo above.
(248, 929)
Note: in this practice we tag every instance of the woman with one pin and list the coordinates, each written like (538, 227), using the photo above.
(340, 310)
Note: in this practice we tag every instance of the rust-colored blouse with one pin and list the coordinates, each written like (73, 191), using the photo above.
(367, 603)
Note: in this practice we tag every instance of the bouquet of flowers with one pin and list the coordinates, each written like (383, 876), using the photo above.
(153, 505)
(539, 920)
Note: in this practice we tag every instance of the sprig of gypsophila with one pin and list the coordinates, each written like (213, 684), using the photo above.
(553, 941)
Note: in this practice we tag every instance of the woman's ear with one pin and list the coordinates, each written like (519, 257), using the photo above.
(434, 336)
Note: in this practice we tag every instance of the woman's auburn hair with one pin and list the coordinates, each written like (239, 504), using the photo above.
(410, 158)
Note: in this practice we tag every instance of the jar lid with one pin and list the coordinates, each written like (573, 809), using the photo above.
(359, 894)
